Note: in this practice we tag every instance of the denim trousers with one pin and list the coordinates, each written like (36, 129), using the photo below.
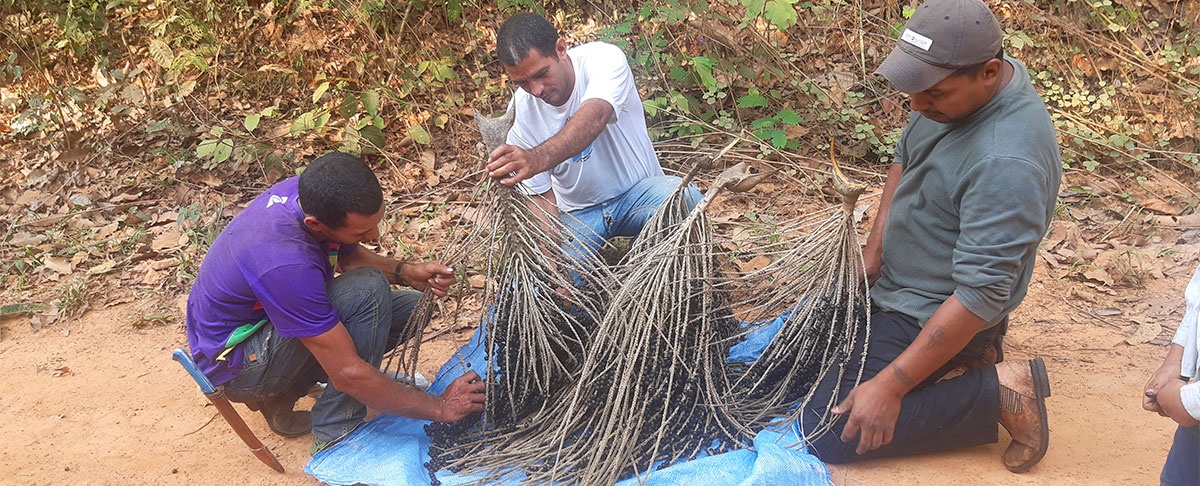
(1183, 461)
(375, 316)
(623, 215)
(935, 416)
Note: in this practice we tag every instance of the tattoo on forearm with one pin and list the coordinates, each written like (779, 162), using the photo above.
(937, 337)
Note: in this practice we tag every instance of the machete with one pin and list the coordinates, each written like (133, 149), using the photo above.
(217, 397)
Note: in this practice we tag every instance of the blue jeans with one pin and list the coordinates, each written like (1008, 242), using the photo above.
(623, 215)
(375, 316)
(1183, 462)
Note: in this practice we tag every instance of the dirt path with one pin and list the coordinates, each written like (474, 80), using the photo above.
(97, 401)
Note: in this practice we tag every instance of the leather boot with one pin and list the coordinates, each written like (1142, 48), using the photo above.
(281, 416)
(1024, 387)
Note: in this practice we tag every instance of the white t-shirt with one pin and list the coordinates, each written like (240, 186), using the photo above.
(1188, 336)
(621, 155)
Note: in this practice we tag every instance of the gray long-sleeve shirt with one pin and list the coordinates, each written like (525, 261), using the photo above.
(974, 200)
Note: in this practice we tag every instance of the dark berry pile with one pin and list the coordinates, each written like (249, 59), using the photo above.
(812, 339)
(516, 390)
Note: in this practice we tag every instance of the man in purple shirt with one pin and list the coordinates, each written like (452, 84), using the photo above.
(276, 262)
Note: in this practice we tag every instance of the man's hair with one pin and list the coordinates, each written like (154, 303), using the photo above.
(336, 184)
(522, 32)
(974, 69)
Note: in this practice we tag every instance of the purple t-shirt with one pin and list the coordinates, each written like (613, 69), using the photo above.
(264, 265)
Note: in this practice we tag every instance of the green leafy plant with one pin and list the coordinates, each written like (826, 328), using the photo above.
(364, 132)
(19, 270)
(74, 297)
(11, 67)
(780, 13)
(774, 129)
(215, 149)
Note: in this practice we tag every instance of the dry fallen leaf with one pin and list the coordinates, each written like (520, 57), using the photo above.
(1146, 331)
(164, 264)
(33, 198)
(1161, 207)
(152, 277)
(124, 197)
(171, 237)
(1187, 221)
(428, 159)
(102, 268)
(891, 106)
(1050, 259)
(477, 281)
(58, 265)
(1082, 64)
(107, 230)
(754, 264)
(25, 238)
(1098, 275)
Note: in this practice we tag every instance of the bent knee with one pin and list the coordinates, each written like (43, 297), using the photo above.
(361, 286)
(367, 278)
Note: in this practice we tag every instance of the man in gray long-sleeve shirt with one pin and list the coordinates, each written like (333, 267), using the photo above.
(952, 250)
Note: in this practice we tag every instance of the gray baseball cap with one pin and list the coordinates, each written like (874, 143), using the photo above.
(941, 36)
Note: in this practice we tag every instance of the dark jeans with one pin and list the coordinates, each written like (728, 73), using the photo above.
(374, 315)
(935, 416)
(1183, 462)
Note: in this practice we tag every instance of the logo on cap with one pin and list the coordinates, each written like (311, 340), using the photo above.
(916, 39)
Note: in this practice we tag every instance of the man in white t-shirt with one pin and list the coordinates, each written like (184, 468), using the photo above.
(579, 140)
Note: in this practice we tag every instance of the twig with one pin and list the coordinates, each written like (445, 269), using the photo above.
(59, 217)
(1091, 314)
(1132, 209)
(210, 420)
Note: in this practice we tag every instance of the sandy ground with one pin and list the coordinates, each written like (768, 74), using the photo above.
(97, 401)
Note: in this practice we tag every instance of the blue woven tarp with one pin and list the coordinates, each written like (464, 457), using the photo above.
(390, 450)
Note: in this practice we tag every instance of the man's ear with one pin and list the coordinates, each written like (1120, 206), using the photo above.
(315, 225)
(992, 69)
(560, 48)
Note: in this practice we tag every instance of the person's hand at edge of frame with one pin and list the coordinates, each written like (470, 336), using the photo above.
(1165, 374)
(1169, 399)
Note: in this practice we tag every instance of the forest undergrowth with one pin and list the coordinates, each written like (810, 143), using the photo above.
(131, 131)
